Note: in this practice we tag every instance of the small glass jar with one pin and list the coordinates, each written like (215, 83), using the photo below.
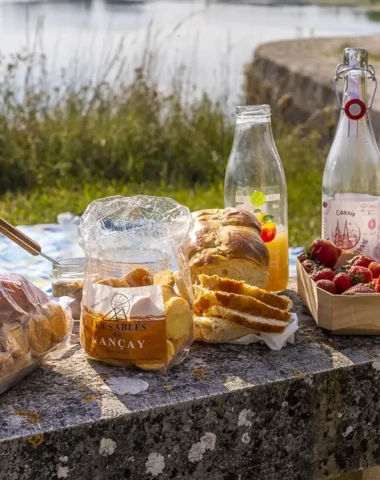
(67, 281)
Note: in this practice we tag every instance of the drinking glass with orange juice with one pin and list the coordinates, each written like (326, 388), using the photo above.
(255, 181)
(278, 261)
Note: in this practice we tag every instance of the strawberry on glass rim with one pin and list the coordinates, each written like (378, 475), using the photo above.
(268, 227)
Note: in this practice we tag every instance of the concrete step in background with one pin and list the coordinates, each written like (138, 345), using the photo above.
(302, 72)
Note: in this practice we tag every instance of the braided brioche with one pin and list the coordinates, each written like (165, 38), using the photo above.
(227, 243)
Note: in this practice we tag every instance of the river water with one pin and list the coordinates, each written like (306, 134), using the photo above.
(212, 40)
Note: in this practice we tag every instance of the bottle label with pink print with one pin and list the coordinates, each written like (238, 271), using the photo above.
(351, 222)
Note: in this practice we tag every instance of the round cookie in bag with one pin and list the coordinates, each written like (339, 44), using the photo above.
(58, 322)
(168, 293)
(164, 278)
(15, 339)
(159, 366)
(139, 277)
(6, 362)
(179, 318)
(40, 334)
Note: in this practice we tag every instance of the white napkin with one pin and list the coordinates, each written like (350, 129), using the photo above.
(275, 341)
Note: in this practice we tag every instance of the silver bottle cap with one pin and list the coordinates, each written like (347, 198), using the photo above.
(355, 57)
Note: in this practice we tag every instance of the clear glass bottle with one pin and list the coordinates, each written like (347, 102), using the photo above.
(67, 281)
(255, 181)
(351, 180)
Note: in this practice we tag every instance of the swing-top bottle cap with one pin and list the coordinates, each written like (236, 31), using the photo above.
(354, 67)
(355, 57)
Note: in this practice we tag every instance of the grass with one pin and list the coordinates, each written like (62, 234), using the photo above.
(62, 145)
(304, 191)
(44, 204)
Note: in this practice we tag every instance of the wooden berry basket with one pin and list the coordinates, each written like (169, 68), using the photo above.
(339, 314)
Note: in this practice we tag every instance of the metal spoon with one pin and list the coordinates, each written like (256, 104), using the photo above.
(23, 240)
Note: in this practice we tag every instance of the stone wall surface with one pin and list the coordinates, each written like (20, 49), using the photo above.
(307, 412)
(304, 70)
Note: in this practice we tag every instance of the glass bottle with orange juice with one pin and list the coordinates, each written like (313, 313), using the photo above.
(255, 181)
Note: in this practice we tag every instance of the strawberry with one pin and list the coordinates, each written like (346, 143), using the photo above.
(377, 285)
(324, 252)
(324, 274)
(342, 282)
(327, 285)
(374, 267)
(362, 261)
(342, 269)
(309, 266)
(358, 288)
(360, 275)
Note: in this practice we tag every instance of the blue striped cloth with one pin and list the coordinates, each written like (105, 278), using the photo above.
(58, 242)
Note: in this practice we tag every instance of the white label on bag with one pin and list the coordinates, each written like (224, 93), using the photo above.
(351, 222)
(124, 324)
(125, 303)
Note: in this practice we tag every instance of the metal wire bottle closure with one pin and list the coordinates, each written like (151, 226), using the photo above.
(354, 60)
(342, 69)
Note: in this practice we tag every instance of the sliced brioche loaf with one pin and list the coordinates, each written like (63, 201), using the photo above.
(219, 330)
(251, 321)
(241, 269)
(208, 298)
(235, 286)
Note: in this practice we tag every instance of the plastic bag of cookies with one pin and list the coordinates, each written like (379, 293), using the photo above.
(137, 307)
(31, 326)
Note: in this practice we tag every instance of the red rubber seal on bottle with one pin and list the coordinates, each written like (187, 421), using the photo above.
(355, 109)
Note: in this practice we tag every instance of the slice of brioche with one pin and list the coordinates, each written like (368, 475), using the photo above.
(242, 303)
(258, 323)
(235, 286)
(219, 330)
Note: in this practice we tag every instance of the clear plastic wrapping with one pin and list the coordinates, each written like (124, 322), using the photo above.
(137, 306)
(31, 326)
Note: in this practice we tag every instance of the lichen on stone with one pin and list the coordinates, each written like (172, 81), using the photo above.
(29, 417)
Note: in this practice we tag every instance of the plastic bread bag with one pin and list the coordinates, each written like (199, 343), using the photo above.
(137, 306)
(32, 326)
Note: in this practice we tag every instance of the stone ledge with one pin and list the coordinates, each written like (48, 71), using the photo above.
(304, 69)
(307, 412)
